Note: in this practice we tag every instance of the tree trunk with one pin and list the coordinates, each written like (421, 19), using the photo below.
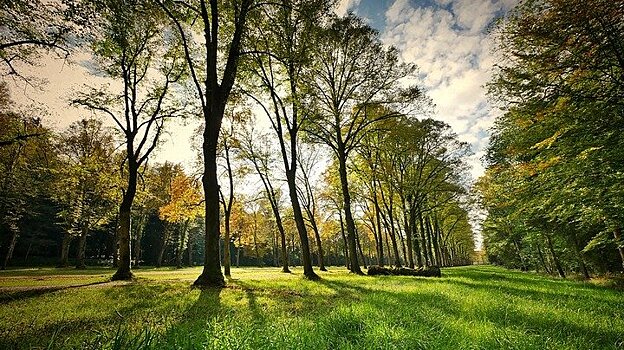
(554, 256)
(11, 248)
(350, 223)
(67, 238)
(390, 224)
(359, 245)
(284, 248)
(541, 257)
(619, 243)
(268, 188)
(379, 228)
(319, 246)
(238, 251)
(423, 239)
(306, 259)
(163, 244)
(412, 225)
(428, 230)
(402, 240)
(189, 250)
(211, 275)
(436, 243)
(82, 246)
(124, 271)
(344, 240)
(408, 235)
(180, 250)
(227, 260)
(137, 242)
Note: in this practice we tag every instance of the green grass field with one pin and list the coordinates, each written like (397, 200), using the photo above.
(480, 307)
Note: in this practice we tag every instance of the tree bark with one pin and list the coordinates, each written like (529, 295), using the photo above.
(82, 246)
(350, 223)
(344, 240)
(542, 260)
(554, 256)
(180, 248)
(227, 260)
(11, 248)
(390, 227)
(319, 245)
(408, 235)
(423, 239)
(124, 271)
(359, 245)
(67, 238)
(211, 275)
(429, 230)
(306, 260)
(415, 243)
(619, 243)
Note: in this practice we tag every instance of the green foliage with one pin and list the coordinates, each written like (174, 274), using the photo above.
(87, 181)
(555, 160)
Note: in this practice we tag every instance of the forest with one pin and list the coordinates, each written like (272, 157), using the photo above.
(344, 173)
(319, 157)
(553, 187)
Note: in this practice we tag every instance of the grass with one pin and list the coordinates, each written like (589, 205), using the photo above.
(480, 307)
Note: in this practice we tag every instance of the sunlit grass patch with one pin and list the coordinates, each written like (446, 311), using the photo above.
(263, 308)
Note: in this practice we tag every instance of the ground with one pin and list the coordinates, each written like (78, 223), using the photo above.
(476, 307)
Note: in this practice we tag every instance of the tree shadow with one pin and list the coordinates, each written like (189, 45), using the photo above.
(9, 295)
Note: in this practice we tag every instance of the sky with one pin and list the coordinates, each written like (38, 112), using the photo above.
(447, 39)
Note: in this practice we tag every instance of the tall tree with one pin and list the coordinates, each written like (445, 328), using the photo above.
(25, 165)
(282, 51)
(223, 26)
(86, 182)
(135, 48)
(308, 159)
(257, 150)
(354, 75)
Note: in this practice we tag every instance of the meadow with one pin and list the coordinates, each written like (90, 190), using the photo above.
(474, 307)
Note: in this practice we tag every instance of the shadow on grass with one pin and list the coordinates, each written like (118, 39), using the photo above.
(9, 295)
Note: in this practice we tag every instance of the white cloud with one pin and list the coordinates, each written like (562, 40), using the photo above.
(449, 44)
(344, 6)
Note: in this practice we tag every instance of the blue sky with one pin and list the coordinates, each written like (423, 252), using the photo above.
(448, 40)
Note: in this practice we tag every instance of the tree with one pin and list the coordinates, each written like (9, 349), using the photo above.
(28, 28)
(282, 51)
(25, 165)
(184, 205)
(355, 75)
(213, 87)
(308, 160)
(86, 186)
(559, 84)
(256, 149)
(135, 48)
(228, 147)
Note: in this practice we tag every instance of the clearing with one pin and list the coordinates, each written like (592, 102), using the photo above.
(474, 307)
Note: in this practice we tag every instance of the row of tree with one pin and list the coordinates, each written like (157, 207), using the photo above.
(553, 189)
(393, 181)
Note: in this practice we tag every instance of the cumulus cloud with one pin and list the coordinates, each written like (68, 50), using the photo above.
(448, 42)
